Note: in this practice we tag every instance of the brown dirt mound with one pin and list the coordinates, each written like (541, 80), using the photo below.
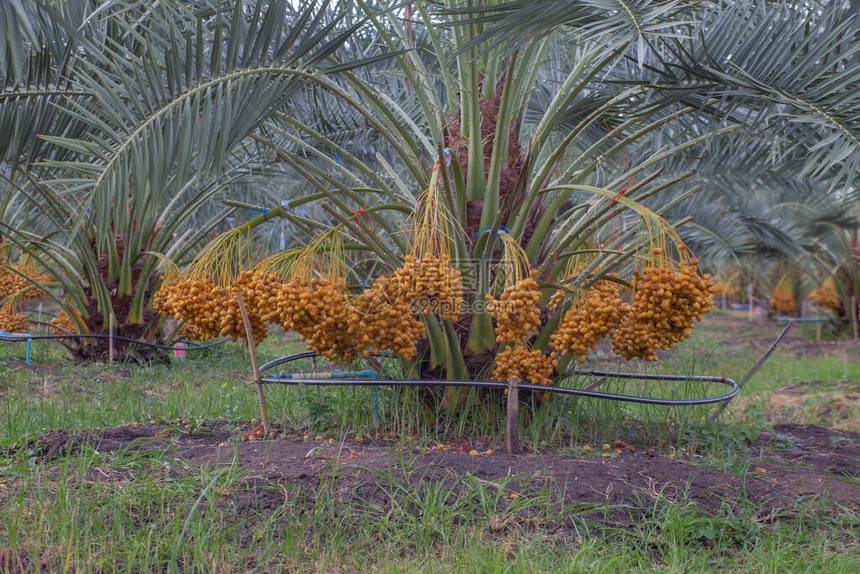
(799, 463)
(824, 450)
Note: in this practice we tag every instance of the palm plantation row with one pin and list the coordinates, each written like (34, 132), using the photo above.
(471, 186)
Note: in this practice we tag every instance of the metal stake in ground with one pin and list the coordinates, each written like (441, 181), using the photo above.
(753, 371)
(252, 348)
(512, 422)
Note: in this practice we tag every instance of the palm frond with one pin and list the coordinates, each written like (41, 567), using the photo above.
(792, 72)
(512, 24)
(176, 108)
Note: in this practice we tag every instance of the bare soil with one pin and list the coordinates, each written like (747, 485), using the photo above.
(794, 464)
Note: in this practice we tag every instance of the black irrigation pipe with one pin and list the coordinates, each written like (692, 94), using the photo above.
(735, 388)
(814, 319)
(14, 338)
(287, 359)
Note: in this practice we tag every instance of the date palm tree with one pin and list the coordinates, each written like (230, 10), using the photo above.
(121, 122)
(559, 119)
(551, 109)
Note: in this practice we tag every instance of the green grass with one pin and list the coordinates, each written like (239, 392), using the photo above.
(173, 518)
(215, 384)
(128, 511)
(151, 515)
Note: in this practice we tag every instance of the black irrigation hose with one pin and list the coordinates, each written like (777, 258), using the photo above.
(502, 385)
(287, 359)
(10, 338)
(813, 319)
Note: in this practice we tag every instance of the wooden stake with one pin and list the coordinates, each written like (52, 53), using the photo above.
(110, 338)
(252, 349)
(818, 331)
(45, 326)
(512, 423)
(854, 315)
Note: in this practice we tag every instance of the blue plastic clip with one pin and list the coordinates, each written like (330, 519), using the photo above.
(29, 341)
(447, 153)
(489, 228)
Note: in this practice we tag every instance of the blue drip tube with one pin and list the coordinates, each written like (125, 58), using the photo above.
(22, 335)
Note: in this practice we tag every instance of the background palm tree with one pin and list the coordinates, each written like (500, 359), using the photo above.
(123, 121)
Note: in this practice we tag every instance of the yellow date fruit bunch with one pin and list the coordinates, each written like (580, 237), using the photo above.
(381, 319)
(208, 310)
(516, 311)
(595, 313)
(329, 338)
(666, 303)
(257, 291)
(783, 303)
(302, 305)
(317, 311)
(13, 284)
(260, 291)
(196, 302)
(556, 299)
(526, 365)
(826, 295)
(433, 284)
(8, 282)
(13, 322)
(231, 323)
(782, 300)
(190, 332)
(63, 324)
